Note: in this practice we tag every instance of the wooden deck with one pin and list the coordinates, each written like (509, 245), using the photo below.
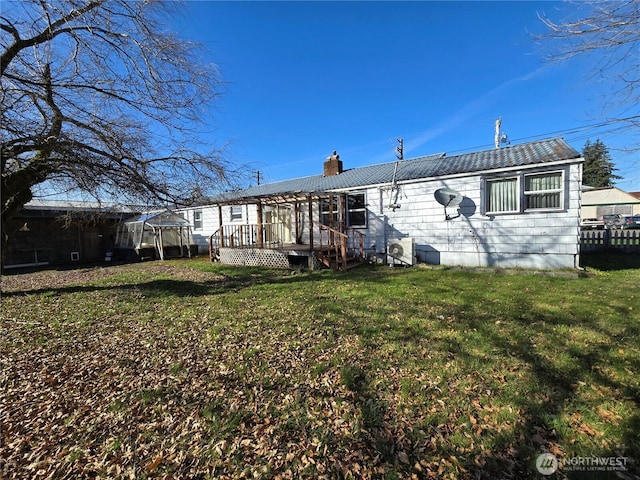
(337, 246)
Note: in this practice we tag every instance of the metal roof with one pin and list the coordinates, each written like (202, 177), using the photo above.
(163, 218)
(80, 205)
(430, 166)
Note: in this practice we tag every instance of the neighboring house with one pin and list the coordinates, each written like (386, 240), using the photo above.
(58, 232)
(517, 206)
(597, 202)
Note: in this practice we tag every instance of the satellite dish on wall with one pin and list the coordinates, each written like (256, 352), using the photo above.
(448, 197)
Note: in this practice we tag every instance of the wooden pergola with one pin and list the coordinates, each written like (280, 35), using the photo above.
(297, 198)
(334, 239)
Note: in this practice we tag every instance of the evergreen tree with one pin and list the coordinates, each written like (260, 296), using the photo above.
(598, 166)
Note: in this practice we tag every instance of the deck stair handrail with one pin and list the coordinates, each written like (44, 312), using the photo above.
(214, 245)
(355, 240)
(338, 244)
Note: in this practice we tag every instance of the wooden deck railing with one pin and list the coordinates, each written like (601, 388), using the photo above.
(335, 237)
(254, 235)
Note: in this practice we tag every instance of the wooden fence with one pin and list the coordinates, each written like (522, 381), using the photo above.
(618, 240)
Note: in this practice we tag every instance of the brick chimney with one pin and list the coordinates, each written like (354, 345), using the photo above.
(333, 165)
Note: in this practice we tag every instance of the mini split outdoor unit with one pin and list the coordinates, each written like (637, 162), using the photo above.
(401, 251)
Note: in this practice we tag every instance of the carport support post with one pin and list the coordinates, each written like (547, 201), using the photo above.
(161, 243)
(181, 233)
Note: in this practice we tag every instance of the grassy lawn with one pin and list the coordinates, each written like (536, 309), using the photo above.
(187, 369)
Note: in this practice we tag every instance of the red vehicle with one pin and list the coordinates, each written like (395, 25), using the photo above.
(631, 222)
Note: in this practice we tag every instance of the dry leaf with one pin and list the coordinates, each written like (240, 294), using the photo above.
(403, 457)
(538, 439)
(152, 465)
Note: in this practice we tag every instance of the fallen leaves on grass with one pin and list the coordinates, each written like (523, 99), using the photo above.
(115, 381)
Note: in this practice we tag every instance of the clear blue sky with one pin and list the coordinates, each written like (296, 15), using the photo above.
(306, 78)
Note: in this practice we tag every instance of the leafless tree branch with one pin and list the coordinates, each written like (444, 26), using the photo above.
(608, 32)
(99, 97)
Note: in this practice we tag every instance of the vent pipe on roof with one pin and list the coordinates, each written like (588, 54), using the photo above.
(333, 165)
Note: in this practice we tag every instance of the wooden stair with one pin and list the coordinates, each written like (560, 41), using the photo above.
(331, 257)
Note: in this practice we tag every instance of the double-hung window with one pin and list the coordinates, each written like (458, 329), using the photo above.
(525, 192)
(236, 213)
(543, 191)
(329, 210)
(357, 210)
(197, 219)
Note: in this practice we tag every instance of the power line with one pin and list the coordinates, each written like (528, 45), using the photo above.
(567, 131)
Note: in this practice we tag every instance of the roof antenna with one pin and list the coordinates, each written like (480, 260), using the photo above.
(399, 149)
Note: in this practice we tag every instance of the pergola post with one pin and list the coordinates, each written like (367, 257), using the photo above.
(296, 215)
(310, 222)
(220, 225)
(260, 225)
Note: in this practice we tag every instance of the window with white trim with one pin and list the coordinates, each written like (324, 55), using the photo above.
(543, 191)
(197, 219)
(236, 213)
(525, 192)
(357, 210)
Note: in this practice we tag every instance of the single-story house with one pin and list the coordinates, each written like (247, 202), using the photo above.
(597, 202)
(516, 206)
(59, 232)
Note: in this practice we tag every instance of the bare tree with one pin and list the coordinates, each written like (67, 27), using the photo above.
(99, 97)
(609, 33)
